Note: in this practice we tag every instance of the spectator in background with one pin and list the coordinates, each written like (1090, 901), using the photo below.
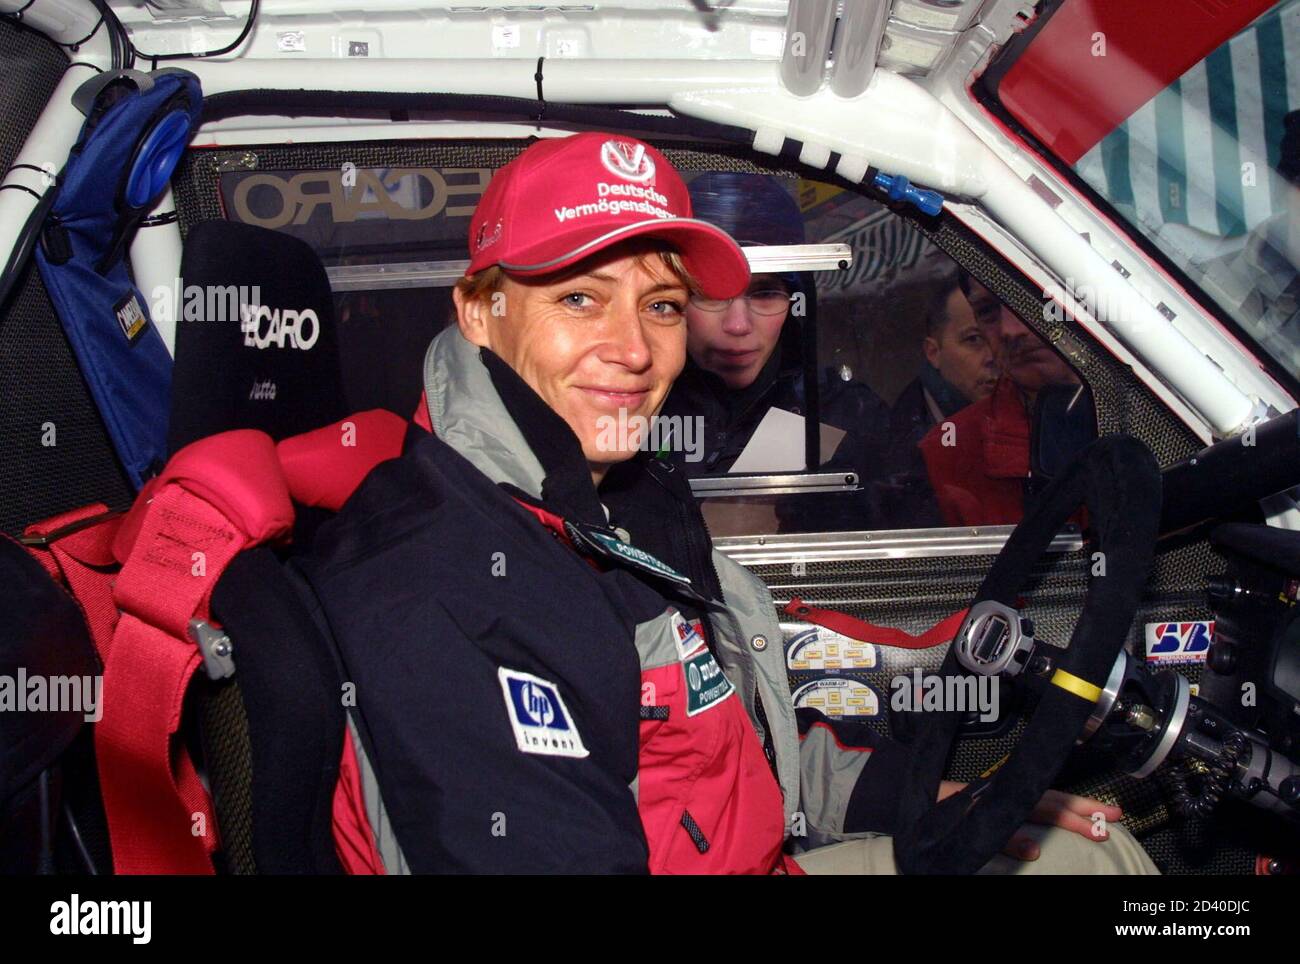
(978, 460)
(960, 367)
(745, 357)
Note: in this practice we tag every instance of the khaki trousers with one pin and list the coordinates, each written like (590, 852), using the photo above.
(1063, 852)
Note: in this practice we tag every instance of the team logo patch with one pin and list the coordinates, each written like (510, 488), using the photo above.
(488, 235)
(819, 648)
(706, 684)
(628, 161)
(541, 721)
(1186, 642)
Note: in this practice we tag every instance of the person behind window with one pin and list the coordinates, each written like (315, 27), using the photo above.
(960, 367)
(978, 460)
(1260, 284)
(745, 357)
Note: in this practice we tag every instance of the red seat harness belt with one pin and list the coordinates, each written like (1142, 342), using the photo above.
(141, 578)
(846, 625)
(76, 549)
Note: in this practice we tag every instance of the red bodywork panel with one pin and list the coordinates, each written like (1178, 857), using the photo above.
(1070, 99)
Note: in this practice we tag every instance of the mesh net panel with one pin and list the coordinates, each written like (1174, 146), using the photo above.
(223, 726)
(57, 452)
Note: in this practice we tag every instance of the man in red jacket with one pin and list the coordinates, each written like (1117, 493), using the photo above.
(978, 459)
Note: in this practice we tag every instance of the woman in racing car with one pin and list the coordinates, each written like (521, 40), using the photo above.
(554, 670)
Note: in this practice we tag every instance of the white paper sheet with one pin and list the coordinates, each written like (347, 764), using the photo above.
(777, 444)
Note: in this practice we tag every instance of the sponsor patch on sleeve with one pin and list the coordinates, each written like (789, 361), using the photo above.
(706, 684)
(686, 636)
(541, 721)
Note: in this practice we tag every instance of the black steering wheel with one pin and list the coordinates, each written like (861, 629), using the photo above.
(1117, 478)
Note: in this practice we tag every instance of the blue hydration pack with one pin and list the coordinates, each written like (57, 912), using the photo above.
(137, 126)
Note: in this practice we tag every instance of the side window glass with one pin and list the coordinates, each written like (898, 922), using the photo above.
(879, 389)
(935, 405)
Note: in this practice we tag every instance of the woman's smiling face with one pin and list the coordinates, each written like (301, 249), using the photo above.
(605, 338)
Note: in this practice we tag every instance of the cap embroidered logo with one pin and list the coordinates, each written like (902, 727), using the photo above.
(628, 161)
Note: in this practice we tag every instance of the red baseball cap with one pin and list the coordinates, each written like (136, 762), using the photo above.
(566, 198)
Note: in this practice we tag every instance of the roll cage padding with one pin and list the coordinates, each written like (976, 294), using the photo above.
(1118, 480)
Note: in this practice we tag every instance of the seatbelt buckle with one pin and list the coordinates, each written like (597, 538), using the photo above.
(215, 647)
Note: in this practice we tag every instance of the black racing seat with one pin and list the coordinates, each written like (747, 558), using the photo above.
(271, 734)
(48, 669)
(256, 348)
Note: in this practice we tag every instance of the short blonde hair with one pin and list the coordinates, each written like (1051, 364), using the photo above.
(485, 283)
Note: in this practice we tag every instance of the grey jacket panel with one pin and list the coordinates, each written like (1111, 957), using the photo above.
(390, 851)
(751, 643)
(456, 383)
(656, 641)
(829, 774)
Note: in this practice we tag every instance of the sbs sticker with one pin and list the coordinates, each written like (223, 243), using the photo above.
(1185, 642)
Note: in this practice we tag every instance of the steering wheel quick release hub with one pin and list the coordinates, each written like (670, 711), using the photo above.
(994, 640)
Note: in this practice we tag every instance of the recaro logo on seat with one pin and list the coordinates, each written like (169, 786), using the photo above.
(282, 327)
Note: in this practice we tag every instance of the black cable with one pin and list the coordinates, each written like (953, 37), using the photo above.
(123, 55)
(30, 167)
(20, 187)
(26, 241)
(121, 47)
(243, 35)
